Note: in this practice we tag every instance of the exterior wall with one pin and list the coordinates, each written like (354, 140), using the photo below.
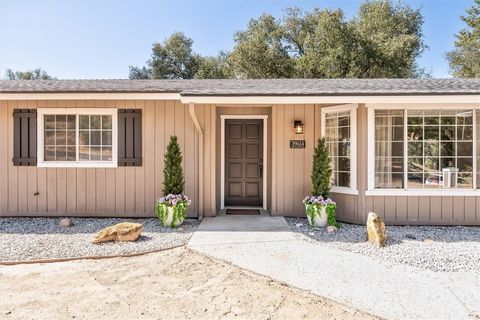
(131, 191)
(122, 191)
(291, 168)
(437, 210)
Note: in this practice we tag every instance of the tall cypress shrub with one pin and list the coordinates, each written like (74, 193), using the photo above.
(173, 182)
(322, 170)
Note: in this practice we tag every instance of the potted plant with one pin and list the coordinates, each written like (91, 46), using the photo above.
(320, 209)
(171, 209)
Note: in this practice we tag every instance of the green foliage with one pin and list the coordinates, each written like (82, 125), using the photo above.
(173, 173)
(172, 59)
(36, 74)
(139, 72)
(331, 216)
(213, 67)
(322, 170)
(260, 51)
(464, 60)
(384, 40)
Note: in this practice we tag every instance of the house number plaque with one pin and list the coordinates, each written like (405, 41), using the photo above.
(297, 144)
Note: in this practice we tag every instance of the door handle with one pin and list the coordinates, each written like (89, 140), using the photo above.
(260, 167)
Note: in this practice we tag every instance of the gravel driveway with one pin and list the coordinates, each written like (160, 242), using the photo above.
(43, 238)
(429, 247)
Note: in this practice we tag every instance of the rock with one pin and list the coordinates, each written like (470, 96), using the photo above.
(331, 229)
(376, 231)
(125, 231)
(298, 225)
(66, 222)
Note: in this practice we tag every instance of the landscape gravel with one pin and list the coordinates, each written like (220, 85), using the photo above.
(434, 248)
(44, 238)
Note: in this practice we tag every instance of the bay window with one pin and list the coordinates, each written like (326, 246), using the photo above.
(77, 137)
(339, 130)
(427, 149)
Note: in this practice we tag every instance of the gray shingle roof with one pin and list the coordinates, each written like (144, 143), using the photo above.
(274, 87)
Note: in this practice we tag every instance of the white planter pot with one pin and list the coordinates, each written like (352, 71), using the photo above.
(169, 219)
(319, 217)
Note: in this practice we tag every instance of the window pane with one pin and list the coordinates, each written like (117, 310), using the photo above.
(61, 153)
(49, 123)
(61, 138)
(95, 138)
(71, 122)
(84, 122)
(61, 122)
(95, 153)
(107, 138)
(95, 122)
(106, 122)
(337, 133)
(49, 153)
(389, 147)
(71, 138)
(84, 153)
(71, 153)
(49, 138)
(107, 153)
(84, 138)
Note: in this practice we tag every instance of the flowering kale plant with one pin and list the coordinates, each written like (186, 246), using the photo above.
(172, 209)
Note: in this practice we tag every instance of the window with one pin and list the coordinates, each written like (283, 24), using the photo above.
(426, 149)
(389, 149)
(339, 125)
(77, 137)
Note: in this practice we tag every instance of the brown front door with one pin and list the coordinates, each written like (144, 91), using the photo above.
(243, 162)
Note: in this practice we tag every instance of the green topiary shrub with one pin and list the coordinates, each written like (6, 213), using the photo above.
(322, 170)
(173, 182)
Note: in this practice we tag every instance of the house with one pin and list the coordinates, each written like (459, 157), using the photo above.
(408, 149)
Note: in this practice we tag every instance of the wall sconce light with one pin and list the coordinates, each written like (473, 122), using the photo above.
(298, 127)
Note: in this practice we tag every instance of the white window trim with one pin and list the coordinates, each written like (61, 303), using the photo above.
(352, 108)
(372, 191)
(41, 112)
(222, 155)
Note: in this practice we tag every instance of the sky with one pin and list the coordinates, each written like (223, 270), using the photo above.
(99, 39)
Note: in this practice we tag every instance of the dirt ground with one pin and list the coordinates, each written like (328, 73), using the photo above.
(174, 284)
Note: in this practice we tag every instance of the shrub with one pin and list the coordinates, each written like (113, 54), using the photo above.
(173, 182)
(322, 170)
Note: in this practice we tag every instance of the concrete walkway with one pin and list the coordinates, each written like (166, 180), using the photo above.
(265, 245)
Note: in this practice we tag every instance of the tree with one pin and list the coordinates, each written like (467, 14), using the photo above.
(389, 38)
(322, 170)
(173, 182)
(215, 67)
(139, 73)
(464, 60)
(260, 51)
(172, 59)
(384, 40)
(36, 74)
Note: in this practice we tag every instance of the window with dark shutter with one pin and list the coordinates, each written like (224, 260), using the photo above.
(24, 137)
(129, 137)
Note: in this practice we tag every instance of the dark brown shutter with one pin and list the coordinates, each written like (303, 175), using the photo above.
(129, 137)
(24, 137)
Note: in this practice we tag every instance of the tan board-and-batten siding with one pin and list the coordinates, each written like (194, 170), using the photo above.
(122, 191)
(131, 191)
